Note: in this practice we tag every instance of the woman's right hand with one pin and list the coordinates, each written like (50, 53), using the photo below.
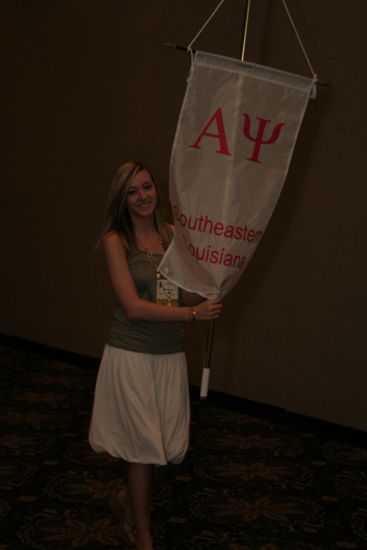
(208, 310)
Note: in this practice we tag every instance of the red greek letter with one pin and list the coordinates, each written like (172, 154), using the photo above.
(220, 135)
(259, 140)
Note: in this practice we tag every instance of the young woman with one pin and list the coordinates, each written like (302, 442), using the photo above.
(141, 407)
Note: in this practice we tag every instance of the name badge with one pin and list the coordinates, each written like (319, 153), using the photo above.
(167, 293)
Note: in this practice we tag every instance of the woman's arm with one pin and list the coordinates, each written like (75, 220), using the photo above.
(191, 299)
(137, 308)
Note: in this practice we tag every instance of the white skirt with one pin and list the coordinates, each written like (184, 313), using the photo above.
(141, 410)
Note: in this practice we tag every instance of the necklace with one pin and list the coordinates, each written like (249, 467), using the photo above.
(150, 255)
(166, 292)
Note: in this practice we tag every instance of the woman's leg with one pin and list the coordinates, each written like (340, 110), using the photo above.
(140, 489)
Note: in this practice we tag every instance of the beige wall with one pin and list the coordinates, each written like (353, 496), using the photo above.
(86, 85)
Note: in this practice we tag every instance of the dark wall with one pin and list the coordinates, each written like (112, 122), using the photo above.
(87, 85)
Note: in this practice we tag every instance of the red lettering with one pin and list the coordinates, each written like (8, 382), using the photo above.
(217, 118)
(250, 235)
(258, 139)
(208, 225)
(228, 233)
(218, 228)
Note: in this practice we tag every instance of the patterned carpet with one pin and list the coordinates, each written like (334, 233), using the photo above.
(255, 478)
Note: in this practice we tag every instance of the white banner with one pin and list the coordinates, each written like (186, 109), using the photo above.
(234, 141)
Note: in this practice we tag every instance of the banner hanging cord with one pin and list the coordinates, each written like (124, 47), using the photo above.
(205, 24)
(291, 22)
(299, 39)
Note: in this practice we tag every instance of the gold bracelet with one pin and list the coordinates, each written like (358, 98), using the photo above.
(193, 315)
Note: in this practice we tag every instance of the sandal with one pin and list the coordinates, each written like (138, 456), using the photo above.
(119, 503)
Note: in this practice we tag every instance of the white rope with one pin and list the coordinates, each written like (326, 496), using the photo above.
(299, 39)
(189, 47)
(205, 24)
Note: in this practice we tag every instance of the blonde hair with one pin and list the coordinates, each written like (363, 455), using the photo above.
(117, 217)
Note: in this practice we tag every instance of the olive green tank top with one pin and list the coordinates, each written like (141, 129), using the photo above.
(145, 336)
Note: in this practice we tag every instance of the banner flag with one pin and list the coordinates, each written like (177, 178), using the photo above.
(233, 145)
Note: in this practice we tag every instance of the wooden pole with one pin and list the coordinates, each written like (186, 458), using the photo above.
(209, 341)
(245, 29)
(207, 361)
